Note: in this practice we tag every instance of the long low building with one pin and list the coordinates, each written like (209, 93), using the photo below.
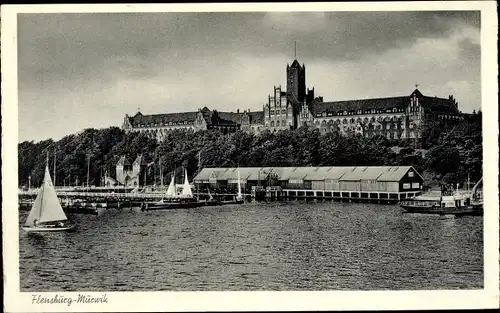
(371, 182)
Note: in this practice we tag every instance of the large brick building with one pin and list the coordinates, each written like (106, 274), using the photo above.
(393, 117)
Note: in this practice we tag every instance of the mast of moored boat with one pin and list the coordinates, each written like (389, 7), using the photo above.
(55, 151)
(42, 188)
(161, 172)
(88, 172)
(239, 196)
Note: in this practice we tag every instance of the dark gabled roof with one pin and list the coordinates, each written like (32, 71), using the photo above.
(433, 104)
(439, 105)
(229, 118)
(363, 104)
(163, 118)
(256, 117)
(295, 64)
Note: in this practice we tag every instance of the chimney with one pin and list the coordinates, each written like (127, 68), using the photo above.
(238, 111)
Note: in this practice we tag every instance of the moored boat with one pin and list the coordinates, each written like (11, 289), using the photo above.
(460, 203)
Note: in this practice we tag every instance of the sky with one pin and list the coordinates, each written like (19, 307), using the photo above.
(81, 70)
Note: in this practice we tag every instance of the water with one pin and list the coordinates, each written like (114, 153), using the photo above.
(292, 246)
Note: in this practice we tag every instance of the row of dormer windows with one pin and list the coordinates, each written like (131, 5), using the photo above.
(166, 124)
(359, 112)
(366, 120)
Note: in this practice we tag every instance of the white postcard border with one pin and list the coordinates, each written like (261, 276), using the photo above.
(16, 301)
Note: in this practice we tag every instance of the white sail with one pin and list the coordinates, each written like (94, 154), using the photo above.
(47, 207)
(171, 187)
(36, 209)
(186, 188)
(239, 196)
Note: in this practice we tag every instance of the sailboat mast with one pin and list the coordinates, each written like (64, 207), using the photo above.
(43, 186)
(161, 173)
(88, 172)
(55, 167)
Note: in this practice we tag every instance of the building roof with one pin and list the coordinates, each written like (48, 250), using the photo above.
(329, 173)
(229, 117)
(122, 161)
(362, 104)
(159, 119)
(439, 105)
(139, 160)
(433, 104)
(249, 173)
(256, 117)
(295, 63)
(342, 173)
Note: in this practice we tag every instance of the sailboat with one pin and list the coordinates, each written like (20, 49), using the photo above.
(239, 197)
(47, 215)
(171, 188)
(185, 200)
(186, 188)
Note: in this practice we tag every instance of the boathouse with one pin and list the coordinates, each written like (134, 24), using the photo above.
(347, 182)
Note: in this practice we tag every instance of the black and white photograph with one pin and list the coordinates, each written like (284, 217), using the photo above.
(283, 149)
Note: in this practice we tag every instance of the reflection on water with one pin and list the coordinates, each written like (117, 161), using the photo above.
(275, 246)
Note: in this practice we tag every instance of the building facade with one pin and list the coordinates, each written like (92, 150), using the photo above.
(127, 175)
(365, 182)
(398, 117)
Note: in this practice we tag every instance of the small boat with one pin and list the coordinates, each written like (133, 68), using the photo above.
(47, 215)
(185, 200)
(239, 196)
(460, 203)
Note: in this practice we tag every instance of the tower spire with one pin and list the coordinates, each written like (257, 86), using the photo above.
(295, 49)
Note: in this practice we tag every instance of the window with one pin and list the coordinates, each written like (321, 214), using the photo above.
(271, 112)
(388, 126)
(359, 111)
(410, 174)
(272, 123)
(283, 123)
(415, 185)
(406, 186)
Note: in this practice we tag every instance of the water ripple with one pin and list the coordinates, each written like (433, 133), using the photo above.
(274, 246)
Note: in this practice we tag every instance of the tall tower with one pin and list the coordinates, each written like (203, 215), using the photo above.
(296, 86)
(296, 81)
